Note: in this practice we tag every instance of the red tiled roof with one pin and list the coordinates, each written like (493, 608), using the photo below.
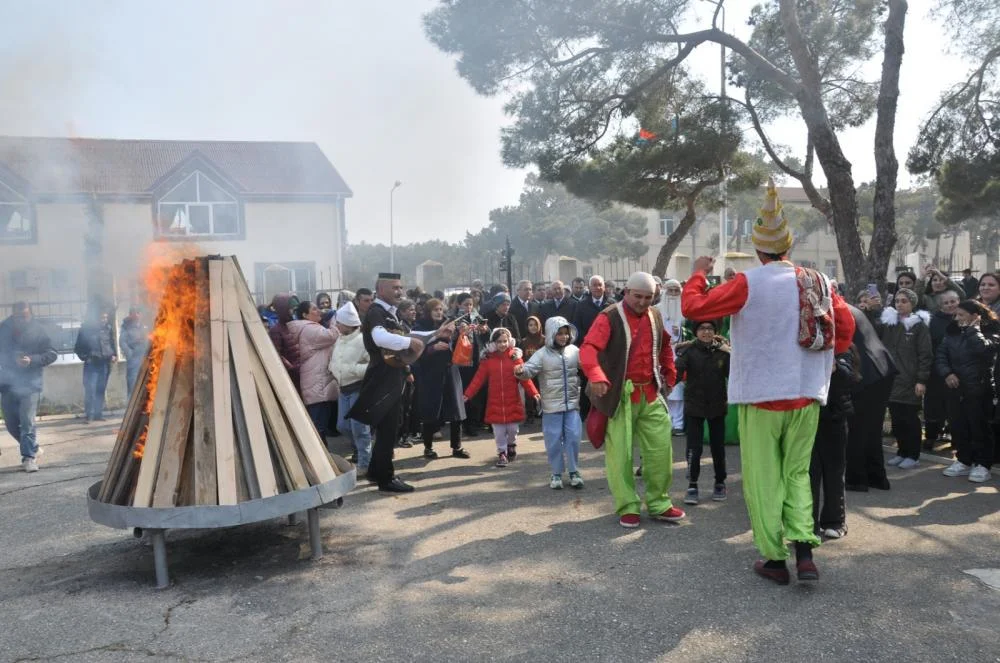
(106, 166)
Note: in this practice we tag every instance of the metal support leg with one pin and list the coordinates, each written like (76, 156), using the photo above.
(293, 519)
(315, 541)
(160, 557)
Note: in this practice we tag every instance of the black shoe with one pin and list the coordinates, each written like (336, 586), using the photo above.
(404, 444)
(881, 484)
(430, 454)
(460, 453)
(396, 485)
(353, 459)
(511, 451)
(638, 471)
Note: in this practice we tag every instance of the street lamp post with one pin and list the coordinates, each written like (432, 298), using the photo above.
(720, 263)
(392, 245)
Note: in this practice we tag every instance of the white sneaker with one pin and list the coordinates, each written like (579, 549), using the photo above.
(979, 474)
(30, 465)
(895, 460)
(957, 469)
(909, 463)
(575, 480)
(556, 483)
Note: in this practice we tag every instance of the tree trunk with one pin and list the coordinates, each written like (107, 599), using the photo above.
(675, 239)
(886, 165)
(836, 167)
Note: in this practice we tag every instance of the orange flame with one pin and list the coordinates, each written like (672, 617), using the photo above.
(170, 285)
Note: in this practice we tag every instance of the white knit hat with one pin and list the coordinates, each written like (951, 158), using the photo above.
(643, 281)
(347, 315)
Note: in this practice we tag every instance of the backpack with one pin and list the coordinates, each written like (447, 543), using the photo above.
(816, 327)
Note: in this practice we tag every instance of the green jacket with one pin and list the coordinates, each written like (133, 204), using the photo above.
(909, 343)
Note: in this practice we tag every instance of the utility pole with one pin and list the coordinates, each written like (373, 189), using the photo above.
(507, 264)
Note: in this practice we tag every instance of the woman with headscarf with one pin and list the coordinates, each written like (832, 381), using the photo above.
(907, 337)
(673, 323)
(281, 336)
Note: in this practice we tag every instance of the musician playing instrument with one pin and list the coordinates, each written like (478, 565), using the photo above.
(380, 400)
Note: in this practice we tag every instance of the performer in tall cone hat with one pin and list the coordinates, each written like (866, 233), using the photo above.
(629, 363)
(787, 326)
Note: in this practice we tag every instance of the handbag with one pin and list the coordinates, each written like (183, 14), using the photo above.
(597, 426)
(462, 354)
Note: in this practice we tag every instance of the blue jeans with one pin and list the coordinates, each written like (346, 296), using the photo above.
(131, 376)
(562, 432)
(19, 414)
(320, 415)
(95, 383)
(358, 433)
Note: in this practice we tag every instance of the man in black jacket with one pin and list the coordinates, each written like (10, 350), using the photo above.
(522, 306)
(865, 460)
(584, 315)
(557, 304)
(97, 348)
(25, 349)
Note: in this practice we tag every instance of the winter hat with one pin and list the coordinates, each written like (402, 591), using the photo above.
(500, 330)
(500, 298)
(347, 315)
(671, 283)
(909, 294)
(642, 281)
(770, 230)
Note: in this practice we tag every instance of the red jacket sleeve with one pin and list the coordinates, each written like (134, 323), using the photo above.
(529, 385)
(843, 324)
(667, 368)
(595, 342)
(699, 303)
(478, 379)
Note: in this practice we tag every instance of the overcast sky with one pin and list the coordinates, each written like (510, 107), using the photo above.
(356, 76)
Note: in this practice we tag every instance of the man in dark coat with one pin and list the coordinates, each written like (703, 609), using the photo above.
(557, 304)
(380, 401)
(865, 460)
(134, 342)
(584, 314)
(25, 349)
(97, 348)
(522, 306)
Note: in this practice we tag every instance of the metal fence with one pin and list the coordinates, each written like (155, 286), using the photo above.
(61, 320)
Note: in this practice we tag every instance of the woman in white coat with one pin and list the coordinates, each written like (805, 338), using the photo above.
(673, 322)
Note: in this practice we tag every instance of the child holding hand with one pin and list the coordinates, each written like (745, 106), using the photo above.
(504, 409)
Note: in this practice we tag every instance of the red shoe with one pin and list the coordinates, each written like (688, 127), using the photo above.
(806, 571)
(671, 515)
(629, 520)
(779, 576)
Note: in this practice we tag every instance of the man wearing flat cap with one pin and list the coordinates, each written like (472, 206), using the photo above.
(380, 401)
(629, 364)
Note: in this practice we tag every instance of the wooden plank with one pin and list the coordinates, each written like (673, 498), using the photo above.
(206, 487)
(126, 433)
(245, 472)
(248, 389)
(185, 492)
(157, 421)
(281, 435)
(126, 475)
(305, 433)
(175, 434)
(222, 413)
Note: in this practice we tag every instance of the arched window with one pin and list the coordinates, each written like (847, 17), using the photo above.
(17, 221)
(197, 206)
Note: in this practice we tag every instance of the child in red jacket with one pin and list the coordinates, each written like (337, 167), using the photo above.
(504, 408)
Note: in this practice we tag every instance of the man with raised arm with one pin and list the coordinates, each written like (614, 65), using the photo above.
(787, 326)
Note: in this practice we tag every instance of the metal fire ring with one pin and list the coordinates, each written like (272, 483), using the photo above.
(155, 521)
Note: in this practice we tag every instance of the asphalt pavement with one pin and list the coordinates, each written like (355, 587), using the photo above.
(489, 564)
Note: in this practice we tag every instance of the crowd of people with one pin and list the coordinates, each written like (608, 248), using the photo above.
(805, 377)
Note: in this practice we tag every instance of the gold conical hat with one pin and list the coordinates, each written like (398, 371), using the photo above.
(770, 230)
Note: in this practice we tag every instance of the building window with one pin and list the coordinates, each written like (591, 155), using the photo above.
(830, 268)
(17, 223)
(297, 278)
(666, 224)
(198, 207)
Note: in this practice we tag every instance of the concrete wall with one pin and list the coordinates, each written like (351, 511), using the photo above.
(63, 388)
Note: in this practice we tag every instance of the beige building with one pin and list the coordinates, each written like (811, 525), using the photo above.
(81, 213)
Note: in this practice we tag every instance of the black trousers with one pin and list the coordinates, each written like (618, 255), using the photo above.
(865, 460)
(433, 427)
(380, 467)
(826, 473)
(906, 428)
(409, 411)
(584, 398)
(696, 443)
(935, 407)
(971, 432)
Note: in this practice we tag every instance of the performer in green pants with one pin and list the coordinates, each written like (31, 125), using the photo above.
(629, 364)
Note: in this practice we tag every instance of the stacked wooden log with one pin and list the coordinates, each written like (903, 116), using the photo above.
(215, 418)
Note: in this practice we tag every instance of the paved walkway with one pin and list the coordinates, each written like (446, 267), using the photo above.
(484, 563)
